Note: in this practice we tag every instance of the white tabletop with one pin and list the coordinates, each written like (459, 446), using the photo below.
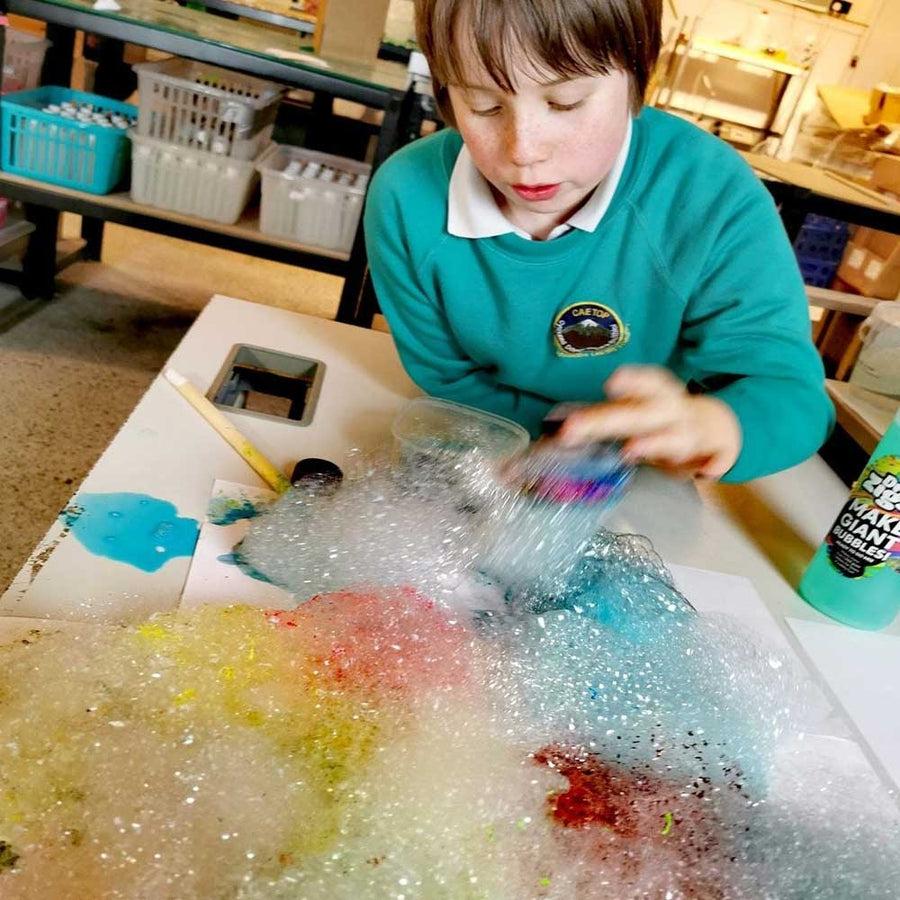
(766, 530)
(166, 450)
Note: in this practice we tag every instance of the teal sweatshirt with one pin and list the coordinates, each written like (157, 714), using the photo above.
(689, 268)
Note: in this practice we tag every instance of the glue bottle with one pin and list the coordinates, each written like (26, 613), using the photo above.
(855, 575)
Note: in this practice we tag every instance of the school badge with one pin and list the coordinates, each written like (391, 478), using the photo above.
(588, 329)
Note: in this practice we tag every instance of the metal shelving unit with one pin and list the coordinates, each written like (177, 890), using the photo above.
(244, 47)
(14, 237)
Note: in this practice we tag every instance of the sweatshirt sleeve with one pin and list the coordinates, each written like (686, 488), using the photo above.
(746, 339)
(424, 337)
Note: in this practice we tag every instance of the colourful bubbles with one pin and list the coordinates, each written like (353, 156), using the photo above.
(591, 741)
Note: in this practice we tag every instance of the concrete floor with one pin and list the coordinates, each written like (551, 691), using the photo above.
(74, 368)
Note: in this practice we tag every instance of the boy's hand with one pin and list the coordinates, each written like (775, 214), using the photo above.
(650, 410)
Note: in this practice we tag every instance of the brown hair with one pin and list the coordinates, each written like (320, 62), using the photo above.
(571, 38)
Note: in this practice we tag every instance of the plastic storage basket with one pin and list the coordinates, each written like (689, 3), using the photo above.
(203, 107)
(23, 57)
(190, 181)
(819, 247)
(817, 272)
(313, 198)
(62, 151)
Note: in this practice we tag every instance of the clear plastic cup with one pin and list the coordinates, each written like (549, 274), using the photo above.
(431, 429)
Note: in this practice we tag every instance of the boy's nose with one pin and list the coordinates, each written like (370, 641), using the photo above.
(525, 145)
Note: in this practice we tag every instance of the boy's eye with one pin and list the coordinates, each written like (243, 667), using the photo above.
(490, 111)
(565, 107)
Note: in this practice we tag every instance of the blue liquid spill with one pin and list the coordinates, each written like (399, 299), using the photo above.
(135, 529)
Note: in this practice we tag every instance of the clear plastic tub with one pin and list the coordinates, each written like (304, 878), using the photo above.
(23, 57)
(190, 181)
(313, 198)
(427, 427)
(204, 107)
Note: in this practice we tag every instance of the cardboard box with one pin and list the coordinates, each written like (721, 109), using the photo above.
(886, 174)
(871, 263)
(353, 29)
(884, 104)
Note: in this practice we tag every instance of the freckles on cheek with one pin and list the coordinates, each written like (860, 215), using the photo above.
(602, 146)
(482, 150)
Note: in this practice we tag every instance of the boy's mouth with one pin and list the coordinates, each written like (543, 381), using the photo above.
(533, 192)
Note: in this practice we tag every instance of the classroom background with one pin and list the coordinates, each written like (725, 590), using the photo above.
(155, 153)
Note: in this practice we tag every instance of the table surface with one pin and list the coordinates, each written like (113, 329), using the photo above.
(863, 414)
(741, 54)
(765, 530)
(820, 181)
(248, 37)
(281, 9)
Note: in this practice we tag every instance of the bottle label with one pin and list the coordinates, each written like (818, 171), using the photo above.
(866, 534)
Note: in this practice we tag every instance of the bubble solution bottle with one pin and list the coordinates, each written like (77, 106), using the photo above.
(855, 575)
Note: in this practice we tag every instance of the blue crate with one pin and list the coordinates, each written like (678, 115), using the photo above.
(817, 272)
(62, 151)
(821, 238)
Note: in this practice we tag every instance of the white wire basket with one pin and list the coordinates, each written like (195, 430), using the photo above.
(204, 107)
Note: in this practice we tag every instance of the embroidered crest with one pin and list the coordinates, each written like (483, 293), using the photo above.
(588, 329)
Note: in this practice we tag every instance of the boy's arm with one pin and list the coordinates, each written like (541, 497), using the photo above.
(746, 341)
(425, 341)
(755, 401)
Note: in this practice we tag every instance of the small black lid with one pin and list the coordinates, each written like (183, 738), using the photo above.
(316, 471)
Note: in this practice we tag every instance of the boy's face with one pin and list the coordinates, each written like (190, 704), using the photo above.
(545, 147)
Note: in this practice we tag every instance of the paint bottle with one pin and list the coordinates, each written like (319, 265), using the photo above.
(855, 575)
(588, 473)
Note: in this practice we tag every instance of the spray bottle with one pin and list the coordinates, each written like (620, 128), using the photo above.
(855, 575)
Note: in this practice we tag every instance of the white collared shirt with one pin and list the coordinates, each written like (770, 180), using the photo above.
(472, 211)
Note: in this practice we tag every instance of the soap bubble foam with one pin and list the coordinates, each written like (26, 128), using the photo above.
(427, 725)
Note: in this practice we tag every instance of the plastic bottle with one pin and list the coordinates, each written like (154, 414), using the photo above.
(558, 498)
(855, 575)
(587, 473)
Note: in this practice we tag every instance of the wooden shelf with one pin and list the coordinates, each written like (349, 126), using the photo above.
(742, 54)
(840, 301)
(246, 228)
(14, 237)
(244, 236)
(863, 414)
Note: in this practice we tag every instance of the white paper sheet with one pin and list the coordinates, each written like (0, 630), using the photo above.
(863, 670)
(212, 577)
(731, 595)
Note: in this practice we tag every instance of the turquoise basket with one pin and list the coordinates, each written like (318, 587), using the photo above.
(62, 151)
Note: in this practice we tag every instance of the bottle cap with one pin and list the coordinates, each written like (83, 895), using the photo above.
(313, 472)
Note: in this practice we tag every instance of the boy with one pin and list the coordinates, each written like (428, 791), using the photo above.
(560, 243)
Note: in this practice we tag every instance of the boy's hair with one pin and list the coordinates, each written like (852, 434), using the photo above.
(570, 38)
